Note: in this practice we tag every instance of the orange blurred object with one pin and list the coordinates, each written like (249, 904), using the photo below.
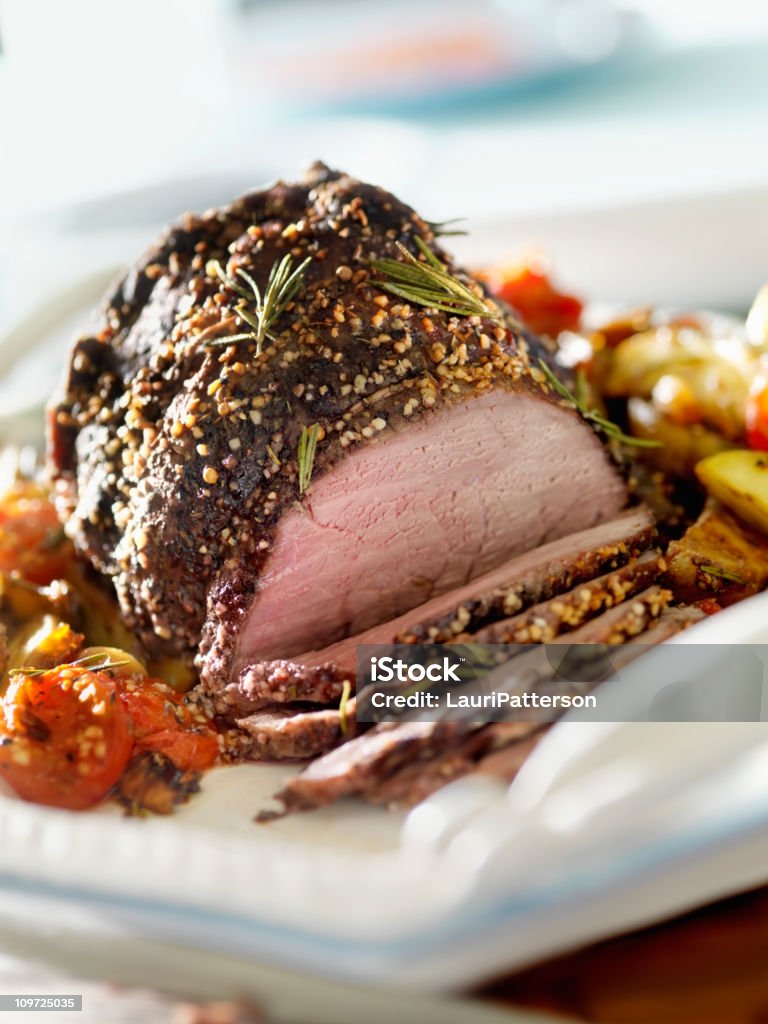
(529, 289)
(32, 542)
(756, 415)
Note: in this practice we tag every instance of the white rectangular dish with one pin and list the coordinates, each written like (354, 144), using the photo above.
(348, 894)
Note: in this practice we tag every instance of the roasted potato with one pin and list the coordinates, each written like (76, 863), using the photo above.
(44, 642)
(719, 556)
(634, 366)
(24, 599)
(176, 673)
(682, 447)
(691, 377)
(102, 622)
(739, 479)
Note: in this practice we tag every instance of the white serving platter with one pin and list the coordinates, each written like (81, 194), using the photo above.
(475, 881)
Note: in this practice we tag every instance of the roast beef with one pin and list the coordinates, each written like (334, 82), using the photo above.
(514, 586)
(498, 749)
(295, 733)
(442, 451)
(399, 763)
(544, 621)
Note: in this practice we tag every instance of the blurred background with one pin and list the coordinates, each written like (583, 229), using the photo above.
(626, 139)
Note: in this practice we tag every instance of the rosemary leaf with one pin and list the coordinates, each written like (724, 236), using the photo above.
(442, 228)
(723, 574)
(90, 662)
(306, 455)
(213, 267)
(429, 284)
(610, 429)
(346, 690)
(282, 285)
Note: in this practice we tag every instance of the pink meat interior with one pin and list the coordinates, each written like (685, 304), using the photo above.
(423, 511)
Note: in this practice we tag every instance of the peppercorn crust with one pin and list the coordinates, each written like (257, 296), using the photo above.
(175, 455)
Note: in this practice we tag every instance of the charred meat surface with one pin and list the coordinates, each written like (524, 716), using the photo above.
(175, 443)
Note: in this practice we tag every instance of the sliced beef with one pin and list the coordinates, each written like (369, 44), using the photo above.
(506, 760)
(497, 750)
(543, 622)
(357, 766)
(669, 624)
(442, 451)
(398, 763)
(279, 682)
(621, 624)
(281, 733)
(536, 576)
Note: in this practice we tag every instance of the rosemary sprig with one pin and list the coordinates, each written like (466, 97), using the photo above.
(723, 574)
(442, 228)
(429, 284)
(306, 454)
(53, 539)
(89, 662)
(282, 285)
(609, 428)
(346, 690)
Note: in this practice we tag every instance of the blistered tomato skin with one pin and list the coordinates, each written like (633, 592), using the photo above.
(757, 415)
(163, 723)
(64, 738)
(542, 307)
(32, 542)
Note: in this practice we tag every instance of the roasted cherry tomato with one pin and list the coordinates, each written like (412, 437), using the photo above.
(756, 416)
(544, 309)
(709, 606)
(32, 542)
(162, 722)
(64, 738)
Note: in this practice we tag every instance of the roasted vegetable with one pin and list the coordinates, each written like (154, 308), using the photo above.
(102, 623)
(175, 672)
(162, 722)
(64, 740)
(44, 642)
(690, 377)
(718, 556)
(634, 365)
(682, 447)
(529, 290)
(152, 782)
(756, 415)
(124, 663)
(24, 599)
(32, 542)
(739, 479)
